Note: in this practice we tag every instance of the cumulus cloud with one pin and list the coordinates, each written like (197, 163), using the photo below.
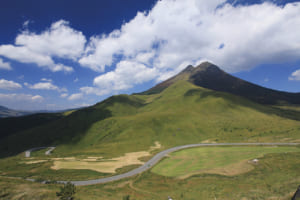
(45, 86)
(295, 76)
(64, 95)
(9, 85)
(95, 90)
(75, 96)
(60, 40)
(46, 79)
(234, 37)
(5, 65)
(125, 76)
(4, 98)
(21, 101)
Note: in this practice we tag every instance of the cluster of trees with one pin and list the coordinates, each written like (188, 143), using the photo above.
(68, 191)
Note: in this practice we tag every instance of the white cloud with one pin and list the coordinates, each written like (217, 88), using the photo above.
(81, 105)
(178, 31)
(21, 101)
(64, 95)
(26, 23)
(9, 85)
(95, 90)
(5, 65)
(45, 86)
(76, 96)
(37, 98)
(47, 79)
(126, 75)
(58, 41)
(20, 98)
(25, 55)
(295, 76)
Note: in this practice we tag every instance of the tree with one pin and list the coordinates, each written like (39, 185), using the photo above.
(127, 197)
(67, 192)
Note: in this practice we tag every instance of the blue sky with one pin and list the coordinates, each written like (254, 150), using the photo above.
(63, 54)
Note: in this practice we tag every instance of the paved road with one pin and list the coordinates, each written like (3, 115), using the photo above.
(162, 154)
(28, 152)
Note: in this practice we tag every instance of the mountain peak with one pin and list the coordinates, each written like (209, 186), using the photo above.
(189, 68)
(205, 66)
(210, 76)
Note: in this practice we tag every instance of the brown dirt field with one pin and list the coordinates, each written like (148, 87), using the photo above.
(230, 170)
(105, 166)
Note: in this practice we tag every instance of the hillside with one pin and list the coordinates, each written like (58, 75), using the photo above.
(182, 113)
(210, 76)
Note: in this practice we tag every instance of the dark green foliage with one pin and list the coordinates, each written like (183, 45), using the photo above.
(68, 129)
(11, 125)
(127, 197)
(67, 192)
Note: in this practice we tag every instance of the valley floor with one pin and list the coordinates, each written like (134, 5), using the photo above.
(275, 176)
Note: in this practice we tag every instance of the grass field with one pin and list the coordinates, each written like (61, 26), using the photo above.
(276, 176)
(214, 160)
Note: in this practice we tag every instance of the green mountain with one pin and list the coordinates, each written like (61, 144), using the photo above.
(209, 76)
(175, 112)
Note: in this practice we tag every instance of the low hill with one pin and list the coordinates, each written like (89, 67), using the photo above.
(210, 76)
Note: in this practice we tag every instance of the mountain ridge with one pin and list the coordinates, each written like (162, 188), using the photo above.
(7, 112)
(210, 76)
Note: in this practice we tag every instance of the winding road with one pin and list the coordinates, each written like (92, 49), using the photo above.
(162, 154)
(28, 152)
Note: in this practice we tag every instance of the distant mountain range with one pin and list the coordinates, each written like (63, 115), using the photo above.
(6, 112)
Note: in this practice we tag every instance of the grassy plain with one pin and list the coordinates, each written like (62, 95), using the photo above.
(276, 176)
(214, 160)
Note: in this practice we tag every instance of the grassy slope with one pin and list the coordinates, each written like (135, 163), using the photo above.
(199, 159)
(184, 114)
(181, 114)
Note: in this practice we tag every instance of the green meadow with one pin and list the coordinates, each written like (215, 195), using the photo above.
(275, 176)
(218, 160)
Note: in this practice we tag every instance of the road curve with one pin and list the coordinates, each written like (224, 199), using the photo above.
(28, 152)
(162, 154)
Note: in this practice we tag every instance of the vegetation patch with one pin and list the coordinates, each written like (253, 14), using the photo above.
(214, 160)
